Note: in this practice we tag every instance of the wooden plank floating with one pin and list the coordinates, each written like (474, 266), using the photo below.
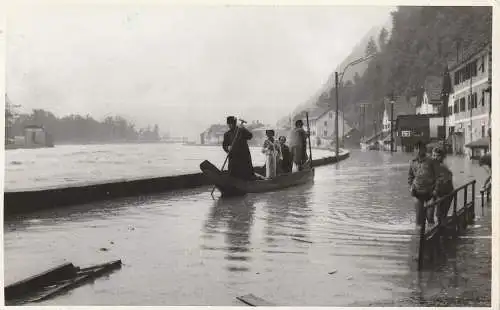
(55, 281)
(252, 300)
(301, 240)
(38, 281)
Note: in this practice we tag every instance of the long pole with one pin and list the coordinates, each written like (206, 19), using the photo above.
(337, 114)
(228, 153)
(471, 107)
(392, 124)
(309, 138)
(445, 114)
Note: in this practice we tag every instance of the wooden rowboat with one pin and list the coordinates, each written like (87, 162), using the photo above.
(230, 186)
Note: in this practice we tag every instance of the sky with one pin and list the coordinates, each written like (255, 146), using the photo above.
(183, 68)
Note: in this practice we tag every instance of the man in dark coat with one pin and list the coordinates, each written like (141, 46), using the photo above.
(236, 145)
(286, 156)
(298, 145)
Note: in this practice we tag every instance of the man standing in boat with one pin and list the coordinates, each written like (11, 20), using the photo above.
(236, 146)
(298, 145)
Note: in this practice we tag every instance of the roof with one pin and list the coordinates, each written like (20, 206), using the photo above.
(318, 112)
(469, 53)
(479, 143)
(401, 106)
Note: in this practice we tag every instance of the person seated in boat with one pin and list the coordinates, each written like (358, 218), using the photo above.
(285, 162)
(235, 144)
(271, 149)
(298, 145)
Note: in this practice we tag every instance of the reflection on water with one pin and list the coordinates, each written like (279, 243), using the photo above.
(347, 239)
(234, 218)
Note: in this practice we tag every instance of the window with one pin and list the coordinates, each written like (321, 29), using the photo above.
(326, 123)
(456, 78)
(468, 102)
(462, 104)
(474, 68)
(450, 110)
(455, 106)
(482, 64)
(483, 131)
(474, 99)
(482, 97)
(325, 133)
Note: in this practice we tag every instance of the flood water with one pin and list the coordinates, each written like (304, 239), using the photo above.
(347, 239)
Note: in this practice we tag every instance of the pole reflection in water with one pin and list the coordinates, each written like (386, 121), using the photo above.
(287, 216)
(236, 214)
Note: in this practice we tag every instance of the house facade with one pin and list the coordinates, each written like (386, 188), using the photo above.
(214, 135)
(322, 125)
(469, 105)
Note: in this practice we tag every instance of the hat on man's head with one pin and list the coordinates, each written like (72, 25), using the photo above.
(231, 120)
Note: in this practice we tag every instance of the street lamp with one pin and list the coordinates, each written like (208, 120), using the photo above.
(337, 83)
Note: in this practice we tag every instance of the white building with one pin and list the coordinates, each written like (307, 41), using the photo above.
(429, 99)
(322, 123)
(469, 105)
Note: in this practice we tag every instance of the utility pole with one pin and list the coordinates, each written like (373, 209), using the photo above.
(445, 96)
(337, 114)
(392, 122)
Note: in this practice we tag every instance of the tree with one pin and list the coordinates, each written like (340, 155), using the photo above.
(371, 47)
(382, 38)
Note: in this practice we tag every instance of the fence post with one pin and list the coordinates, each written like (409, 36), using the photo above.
(473, 200)
(482, 201)
(466, 216)
(455, 221)
(422, 240)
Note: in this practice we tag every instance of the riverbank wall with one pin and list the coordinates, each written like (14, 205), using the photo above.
(27, 201)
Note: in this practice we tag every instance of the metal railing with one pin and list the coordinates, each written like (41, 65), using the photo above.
(459, 220)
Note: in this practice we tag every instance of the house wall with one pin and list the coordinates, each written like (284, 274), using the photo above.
(470, 102)
(324, 127)
(434, 123)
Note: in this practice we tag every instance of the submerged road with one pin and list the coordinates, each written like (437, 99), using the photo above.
(345, 240)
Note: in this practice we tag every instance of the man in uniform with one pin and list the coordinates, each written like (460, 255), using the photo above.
(236, 146)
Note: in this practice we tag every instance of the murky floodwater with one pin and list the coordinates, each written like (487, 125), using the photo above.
(347, 239)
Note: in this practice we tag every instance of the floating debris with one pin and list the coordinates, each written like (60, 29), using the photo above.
(252, 300)
(302, 240)
(333, 272)
(103, 249)
(54, 281)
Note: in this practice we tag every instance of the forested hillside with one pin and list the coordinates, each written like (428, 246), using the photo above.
(422, 41)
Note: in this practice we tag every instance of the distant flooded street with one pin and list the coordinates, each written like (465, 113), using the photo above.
(346, 240)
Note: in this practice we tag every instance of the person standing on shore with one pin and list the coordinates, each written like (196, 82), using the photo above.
(235, 144)
(422, 180)
(444, 184)
(298, 145)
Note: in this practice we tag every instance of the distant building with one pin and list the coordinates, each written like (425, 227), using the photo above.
(392, 111)
(429, 98)
(469, 105)
(214, 135)
(322, 125)
(36, 136)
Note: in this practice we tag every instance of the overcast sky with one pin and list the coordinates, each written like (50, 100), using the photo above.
(183, 68)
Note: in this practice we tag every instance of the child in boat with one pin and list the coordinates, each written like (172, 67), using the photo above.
(285, 162)
(272, 151)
